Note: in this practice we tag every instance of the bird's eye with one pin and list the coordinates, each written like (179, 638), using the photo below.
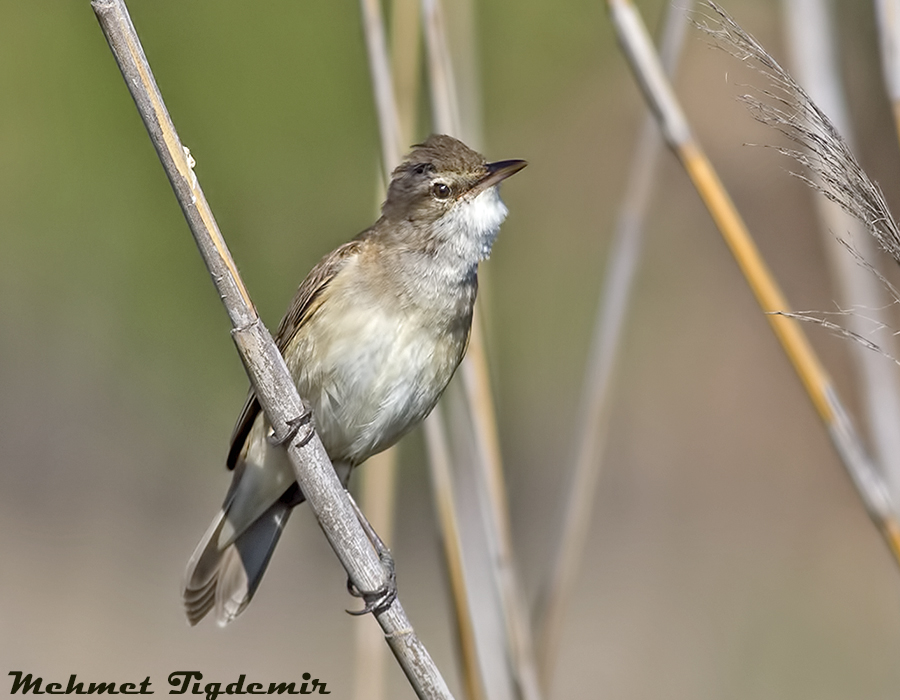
(439, 190)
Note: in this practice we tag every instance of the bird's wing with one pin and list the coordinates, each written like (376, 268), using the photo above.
(305, 302)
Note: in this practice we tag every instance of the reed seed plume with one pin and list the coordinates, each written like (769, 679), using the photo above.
(789, 109)
(821, 318)
(832, 167)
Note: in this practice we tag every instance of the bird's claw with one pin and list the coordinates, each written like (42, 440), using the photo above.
(294, 425)
(379, 600)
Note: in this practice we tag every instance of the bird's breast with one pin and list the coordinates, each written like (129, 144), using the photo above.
(372, 367)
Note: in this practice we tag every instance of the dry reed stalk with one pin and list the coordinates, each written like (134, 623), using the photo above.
(265, 366)
(406, 62)
(818, 385)
(441, 474)
(382, 85)
(446, 505)
(378, 483)
(483, 490)
(594, 407)
(378, 480)
(439, 464)
(389, 115)
(395, 90)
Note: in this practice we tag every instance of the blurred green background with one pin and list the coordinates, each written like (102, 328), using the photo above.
(729, 557)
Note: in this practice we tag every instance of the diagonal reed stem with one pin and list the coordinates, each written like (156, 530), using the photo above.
(593, 424)
(265, 366)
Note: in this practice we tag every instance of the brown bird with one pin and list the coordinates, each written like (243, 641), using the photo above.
(371, 338)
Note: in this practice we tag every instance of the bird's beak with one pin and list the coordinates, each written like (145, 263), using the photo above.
(496, 172)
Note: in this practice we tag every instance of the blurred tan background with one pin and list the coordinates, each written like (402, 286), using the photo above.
(730, 557)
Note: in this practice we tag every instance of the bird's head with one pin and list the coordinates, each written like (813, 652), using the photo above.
(446, 193)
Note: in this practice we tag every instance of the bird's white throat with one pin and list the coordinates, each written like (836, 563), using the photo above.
(473, 224)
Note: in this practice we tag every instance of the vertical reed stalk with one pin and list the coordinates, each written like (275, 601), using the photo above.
(487, 486)
(395, 108)
(406, 62)
(389, 115)
(593, 414)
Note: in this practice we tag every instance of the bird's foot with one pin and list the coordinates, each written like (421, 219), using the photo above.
(379, 600)
(294, 425)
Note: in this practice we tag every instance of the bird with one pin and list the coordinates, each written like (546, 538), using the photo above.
(371, 339)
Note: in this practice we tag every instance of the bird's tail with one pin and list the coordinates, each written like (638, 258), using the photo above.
(227, 577)
(228, 564)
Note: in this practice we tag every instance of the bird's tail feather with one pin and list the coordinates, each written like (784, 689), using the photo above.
(227, 578)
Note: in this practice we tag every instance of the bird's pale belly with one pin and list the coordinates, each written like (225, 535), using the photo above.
(375, 375)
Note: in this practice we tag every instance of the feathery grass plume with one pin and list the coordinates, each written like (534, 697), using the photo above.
(833, 171)
(864, 302)
(821, 318)
(638, 49)
(792, 112)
